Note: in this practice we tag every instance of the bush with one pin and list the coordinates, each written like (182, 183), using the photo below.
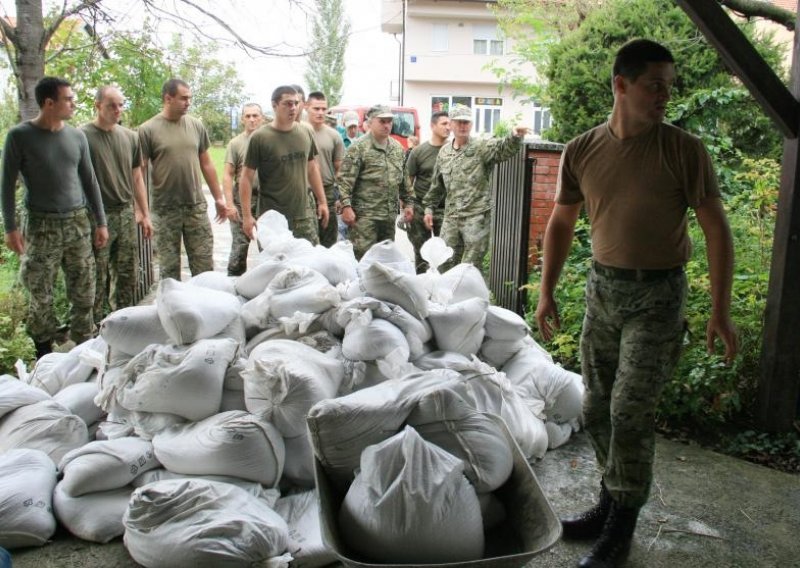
(15, 343)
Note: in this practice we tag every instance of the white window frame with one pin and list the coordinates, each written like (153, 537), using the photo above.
(541, 113)
(486, 40)
(439, 38)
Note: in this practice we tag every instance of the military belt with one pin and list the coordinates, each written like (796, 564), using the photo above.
(57, 214)
(635, 274)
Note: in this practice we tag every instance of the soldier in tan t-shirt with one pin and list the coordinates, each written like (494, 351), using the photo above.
(636, 177)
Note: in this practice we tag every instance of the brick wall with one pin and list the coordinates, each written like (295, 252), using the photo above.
(546, 156)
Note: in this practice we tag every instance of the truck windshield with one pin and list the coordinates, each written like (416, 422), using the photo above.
(403, 123)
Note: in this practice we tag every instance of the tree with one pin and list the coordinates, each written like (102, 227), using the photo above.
(330, 31)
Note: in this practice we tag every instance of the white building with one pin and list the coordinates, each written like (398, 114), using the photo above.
(447, 47)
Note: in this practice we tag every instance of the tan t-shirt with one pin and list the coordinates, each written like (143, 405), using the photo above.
(235, 154)
(637, 192)
(331, 149)
(173, 148)
(281, 159)
(115, 154)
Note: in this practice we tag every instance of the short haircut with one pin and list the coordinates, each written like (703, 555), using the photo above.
(47, 88)
(282, 90)
(170, 87)
(437, 115)
(101, 92)
(251, 105)
(317, 96)
(632, 58)
(299, 90)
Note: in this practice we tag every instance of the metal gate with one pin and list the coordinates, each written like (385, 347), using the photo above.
(511, 191)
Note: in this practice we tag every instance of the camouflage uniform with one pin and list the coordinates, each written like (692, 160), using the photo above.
(240, 243)
(54, 241)
(419, 166)
(630, 345)
(371, 181)
(191, 223)
(462, 176)
(117, 263)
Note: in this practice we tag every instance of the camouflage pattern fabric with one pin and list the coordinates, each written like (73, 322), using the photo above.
(53, 242)
(468, 237)
(631, 342)
(368, 231)
(117, 263)
(306, 228)
(191, 223)
(240, 243)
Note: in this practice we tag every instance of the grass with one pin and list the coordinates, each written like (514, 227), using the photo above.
(217, 154)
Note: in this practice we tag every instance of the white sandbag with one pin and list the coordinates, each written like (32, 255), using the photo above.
(492, 510)
(283, 379)
(214, 281)
(233, 376)
(388, 254)
(337, 264)
(45, 426)
(131, 329)
(360, 375)
(557, 434)
(322, 341)
(300, 289)
(96, 517)
(55, 371)
(442, 360)
(340, 428)
(462, 282)
(367, 339)
(411, 504)
(181, 380)
(397, 287)
(255, 280)
(535, 378)
(299, 467)
(459, 326)
(189, 313)
(232, 400)
(193, 523)
(27, 479)
(275, 237)
(14, 393)
(273, 332)
(269, 496)
(232, 443)
(301, 513)
(435, 252)
(443, 418)
(505, 325)
(79, 400)
(106, 464)
(43, 376)
(497, 352)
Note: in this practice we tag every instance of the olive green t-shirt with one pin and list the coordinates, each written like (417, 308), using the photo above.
(419, 166)
(636, 192)
(115, 154)
(235, 154)
(331, 149)
(281, 159)
(173, 148)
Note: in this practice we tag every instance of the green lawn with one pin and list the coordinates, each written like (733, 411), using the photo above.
(218, 157)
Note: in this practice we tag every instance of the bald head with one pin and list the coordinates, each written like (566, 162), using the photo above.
(109, 104)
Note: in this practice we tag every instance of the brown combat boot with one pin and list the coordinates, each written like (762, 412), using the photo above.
(590, 523)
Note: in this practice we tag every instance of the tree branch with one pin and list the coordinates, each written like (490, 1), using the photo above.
(67, 13)
(7, 31)
(760, 9)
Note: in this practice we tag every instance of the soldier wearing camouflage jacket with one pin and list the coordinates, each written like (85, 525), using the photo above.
(371, 183)
(461, 176)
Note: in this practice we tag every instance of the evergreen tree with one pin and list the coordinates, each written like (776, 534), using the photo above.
(330, 32)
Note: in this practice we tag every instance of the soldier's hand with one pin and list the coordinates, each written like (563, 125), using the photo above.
(428, 220)
(147, 227)
(547, 319)
(248, 224)
(100, 237)
(408, 213)
(15, 242)
(222, 211)
(348, 216)
(233, 215)
(323, 214)
(520, 131)
(723, 328)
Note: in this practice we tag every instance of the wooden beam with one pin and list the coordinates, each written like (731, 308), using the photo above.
(739, 54)
(779, 387)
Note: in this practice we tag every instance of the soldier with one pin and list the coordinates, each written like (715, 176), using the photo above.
(461, 177)
(176, 143)
(56, 169)
(419, 169)
(637, 177)
(330, 153)
(351, 131)
(253, 118)
(282, 153)
(371, 181)
(117, 162)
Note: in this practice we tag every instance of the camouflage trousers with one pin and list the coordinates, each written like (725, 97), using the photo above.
(418, 234)
(53, 242)
(468, 237)
(367, 231)
(240, 244)
(330, 234)
(117, 263)
(305, 228)
(189, 223)
(630, 345)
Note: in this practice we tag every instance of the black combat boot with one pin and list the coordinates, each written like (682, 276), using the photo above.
(589, 524)
(43, 348)
(611, 549)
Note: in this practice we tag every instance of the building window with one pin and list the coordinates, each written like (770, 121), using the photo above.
(442, 103)
(541, 119)
(487, 114)
(486, 40)
(439, 42)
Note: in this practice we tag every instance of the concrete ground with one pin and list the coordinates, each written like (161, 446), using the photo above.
(706, 510)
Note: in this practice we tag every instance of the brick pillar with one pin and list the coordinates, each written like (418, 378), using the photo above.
(547, 157)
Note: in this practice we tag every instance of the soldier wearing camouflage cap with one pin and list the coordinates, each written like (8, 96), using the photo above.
(371, 183)
(461, 176)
